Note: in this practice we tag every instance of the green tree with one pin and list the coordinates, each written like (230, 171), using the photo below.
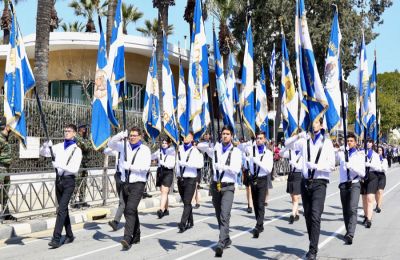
(6, 20)
(130, 13)
(87, 9)
(75, 26)
(151, 27)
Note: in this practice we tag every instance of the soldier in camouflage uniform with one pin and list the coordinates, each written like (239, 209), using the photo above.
(5, 161)
(83, 142)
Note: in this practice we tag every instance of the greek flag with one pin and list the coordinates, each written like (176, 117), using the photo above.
(290, 99)
(151, 111)
(272, 72)
(310, 81)
(102, 105)
(371, 116)
(18, 80)
(224, 102)
(262, 104)
(233, 94)
(198, 75)
(362, 95)
(169, 96)
(183, 103)
(333, 77)
(248, 83)
(116, 55)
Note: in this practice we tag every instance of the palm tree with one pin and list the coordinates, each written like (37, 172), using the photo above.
(112, 5)
(189, 12)
(130, 14)
(54, 21)
(150, 29)
(40, 70)
(87, 8)
(6, 21)
(75, 26)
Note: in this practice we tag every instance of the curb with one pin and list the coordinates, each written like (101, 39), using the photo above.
(12, 230)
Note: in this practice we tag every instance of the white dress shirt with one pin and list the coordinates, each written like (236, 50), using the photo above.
(295, 160)
(166, 160)
(264, 161)
(62, 156)
(374, 163)
(356, 166)
(189, 163)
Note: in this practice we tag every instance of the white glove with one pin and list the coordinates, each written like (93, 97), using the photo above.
(126, 165)
(311, 165)
(368, 164)
(183, 164)
(123, 134)
(48, 144)
(218, 167)
(302, 135)
(341, 148)
(293, 164)
(348, 166)
(55, 164)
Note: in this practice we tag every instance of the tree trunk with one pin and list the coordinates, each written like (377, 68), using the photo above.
(163, 23)
(6, 23)
(42, 46)
(112, 5)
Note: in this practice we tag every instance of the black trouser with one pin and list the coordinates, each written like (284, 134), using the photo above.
(350, 195)
(258, 193)
(189, 187)
(313, 195)
(64, 188)
(222, 201)
(132, 194)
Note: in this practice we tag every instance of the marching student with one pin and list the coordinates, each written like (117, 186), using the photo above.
(318, 162)
(293, 186)
(134, 172)
(189, 161)
(261, 162)
(350, 174)
(166, 163)
(246, 173)
(370, 185)
(68, 157)
(227, 161)
(381, 179)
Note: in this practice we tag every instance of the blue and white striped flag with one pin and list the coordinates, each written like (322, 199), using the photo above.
(233, 94)
(248, 83)
(198, 75)
(183, 103)
(310, 81)
(262, 105)
(290, 99)
(371, 116)
(224, 102)
(151, 111)
(18, 80)
(272, 64)
(102, 105)
(169, 97)
(116, 56)
(333, 77)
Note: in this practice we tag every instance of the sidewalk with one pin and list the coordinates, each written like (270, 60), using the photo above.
(27, 226)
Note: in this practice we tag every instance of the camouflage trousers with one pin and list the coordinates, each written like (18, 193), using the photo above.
(80, 187)
(4, 188)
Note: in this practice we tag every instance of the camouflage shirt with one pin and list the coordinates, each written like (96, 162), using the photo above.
(85, 146)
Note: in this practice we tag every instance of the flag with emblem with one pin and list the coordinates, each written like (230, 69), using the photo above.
(371, 115)
(233, 94)
(262, 104)
(183, 103)
(18, 80)
(272, 65)
(362, 90)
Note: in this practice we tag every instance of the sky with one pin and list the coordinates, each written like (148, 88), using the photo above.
(387, 43)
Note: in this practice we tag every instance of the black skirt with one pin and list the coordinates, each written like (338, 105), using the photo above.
(381, 180)
(294, 183)
(164, 177)
(370, 184)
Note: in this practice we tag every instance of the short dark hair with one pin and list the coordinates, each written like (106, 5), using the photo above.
(261, 133)
(136, 129)
(227, 127)
(72, 126)
(166, 139)
(351, 135)
(191, 133)
(369, 140)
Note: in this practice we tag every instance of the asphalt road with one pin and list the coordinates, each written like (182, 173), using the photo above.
(161, 240)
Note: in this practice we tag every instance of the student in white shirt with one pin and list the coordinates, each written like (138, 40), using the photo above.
(68, 157)
(381, 179)
(134, 172)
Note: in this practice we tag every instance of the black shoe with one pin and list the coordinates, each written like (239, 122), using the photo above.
(256, 233)
(69, 240)
(378, 209)
(311, 256)
(166, 212)
(365, 220)
(189, 225)
(249, 210)
(368, 224)
(84, 204)
(136, 238)
(265, 204)
(348, 239)
(146, 195)
(227, 243)
(10, 217)
(113, 224)
(160, 213)
(296, 218)
(197, 206)
(54, 244)
(291, 219)
(219, 250)
(125, 244)
(181, 228)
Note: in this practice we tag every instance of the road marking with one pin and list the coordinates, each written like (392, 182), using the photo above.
(339, 230)
(241, 233)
